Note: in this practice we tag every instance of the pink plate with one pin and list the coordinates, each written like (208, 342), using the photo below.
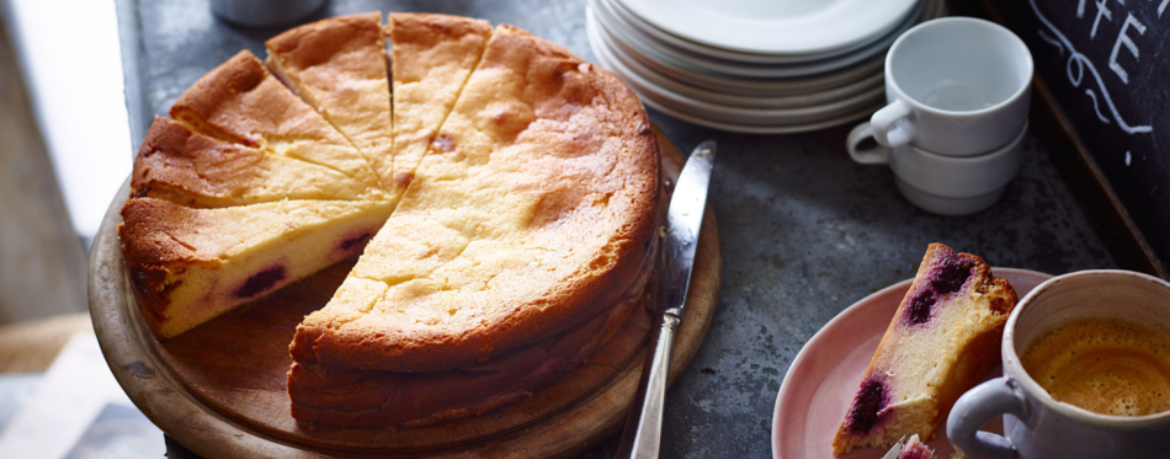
(821, 382)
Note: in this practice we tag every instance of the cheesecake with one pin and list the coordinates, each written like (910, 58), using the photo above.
(242, 102)
(196, 170)
(943, 339)
(536, 216)
(189, 265)
(433, 56)
(339, 67)
(504, 197)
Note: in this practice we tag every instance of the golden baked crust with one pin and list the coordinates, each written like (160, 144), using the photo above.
(538, 200)
(181, 258)
(357, 397)
(529, 185)
(943, 339)
(433, 56)
(192, 169)
(338, 65)
(240, 101)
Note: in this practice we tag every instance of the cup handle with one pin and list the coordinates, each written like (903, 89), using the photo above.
(875, 155)
(885, 131)
(993, 398)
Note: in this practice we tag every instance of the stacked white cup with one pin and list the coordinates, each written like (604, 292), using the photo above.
(958, 91)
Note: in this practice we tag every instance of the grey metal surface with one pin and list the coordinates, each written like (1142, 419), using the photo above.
(805, 232)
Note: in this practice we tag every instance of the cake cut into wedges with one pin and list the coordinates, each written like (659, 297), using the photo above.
(189, 265)
(534, 216)
(338, 65)
(433, 55)
(943, 339)
(240, 101)
(196, 170)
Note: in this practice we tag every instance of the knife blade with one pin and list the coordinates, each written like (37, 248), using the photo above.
(684, 219)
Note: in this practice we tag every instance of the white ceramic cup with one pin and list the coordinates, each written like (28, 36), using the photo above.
(955, 86)
(1044, 427)
(946, 185)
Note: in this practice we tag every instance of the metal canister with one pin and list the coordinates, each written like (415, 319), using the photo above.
(264, 12)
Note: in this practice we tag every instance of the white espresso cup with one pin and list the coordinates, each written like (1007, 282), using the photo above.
(946, 185)
(1038, 426)
(955, 86)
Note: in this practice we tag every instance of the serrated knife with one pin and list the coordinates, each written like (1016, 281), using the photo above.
(684, 219)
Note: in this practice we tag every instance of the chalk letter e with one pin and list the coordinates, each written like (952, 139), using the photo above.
(1122, 38)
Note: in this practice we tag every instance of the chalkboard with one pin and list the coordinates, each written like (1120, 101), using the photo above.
(1107, 65)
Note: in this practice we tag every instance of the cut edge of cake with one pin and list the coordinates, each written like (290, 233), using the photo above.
(240, 101)
(417, 40)
(196, 170)
(943, 339)
(331, 335)
(312, 58)
(187, 265)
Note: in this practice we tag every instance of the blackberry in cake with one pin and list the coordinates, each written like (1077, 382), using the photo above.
(915, 449)
(942, 340)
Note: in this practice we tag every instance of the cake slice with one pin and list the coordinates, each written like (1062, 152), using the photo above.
(433, 55)
(241, 102)
(195, 170)
(944, 338)
(534, 214)
(190, 265)
(338, 66)
(913, 448)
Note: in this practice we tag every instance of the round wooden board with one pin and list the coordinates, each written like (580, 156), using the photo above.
(220, 388)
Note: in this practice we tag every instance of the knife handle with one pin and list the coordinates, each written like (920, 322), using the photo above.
(644, 431)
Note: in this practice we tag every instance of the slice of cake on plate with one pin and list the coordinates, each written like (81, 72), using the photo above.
(240, 101)
(433, 55)
(338, 65)
(943, 339)
(192, 169)
(913, 448)
(529, 229)
(189, 265)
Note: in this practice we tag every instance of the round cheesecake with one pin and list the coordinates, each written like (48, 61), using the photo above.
(503, 195)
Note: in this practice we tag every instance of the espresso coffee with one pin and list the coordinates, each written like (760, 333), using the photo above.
(1104, 365)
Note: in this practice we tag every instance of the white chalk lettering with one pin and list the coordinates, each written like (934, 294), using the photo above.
(1079, 66)
(1102, 10)
(1122, 38)
(1161, 7)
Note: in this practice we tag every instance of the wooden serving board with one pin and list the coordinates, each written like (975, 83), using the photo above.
(219, 389)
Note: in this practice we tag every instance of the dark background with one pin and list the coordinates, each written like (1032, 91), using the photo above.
(1134, 162)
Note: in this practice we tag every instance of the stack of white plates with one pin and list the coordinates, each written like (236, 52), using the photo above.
(755, 66)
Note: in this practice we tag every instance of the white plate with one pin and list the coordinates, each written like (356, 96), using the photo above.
(748, 86)
(704, 117)
(633, 20)
(683, 59)
(771, 26)
(796, 99)
(777, 129)
(793, 109)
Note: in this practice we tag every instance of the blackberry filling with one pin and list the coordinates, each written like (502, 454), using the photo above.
(951, 275)
(920, 308)
(261, 281)
(355, 241)
(870, 401)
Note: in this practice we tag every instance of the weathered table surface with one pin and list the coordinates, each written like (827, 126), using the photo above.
(805, 232)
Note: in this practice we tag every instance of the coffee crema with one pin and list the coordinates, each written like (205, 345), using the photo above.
(1104, 365)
